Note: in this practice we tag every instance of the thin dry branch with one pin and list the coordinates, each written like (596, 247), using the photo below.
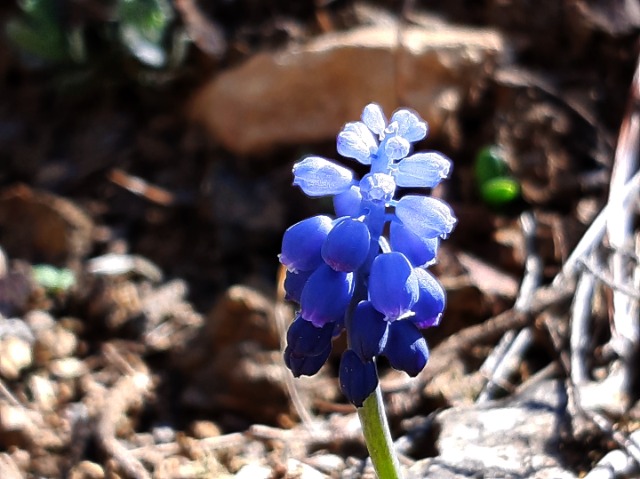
(128, 392)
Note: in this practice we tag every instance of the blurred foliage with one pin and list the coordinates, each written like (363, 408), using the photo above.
(62, 32)
(53, 279)
(39, 32)
(496, 187)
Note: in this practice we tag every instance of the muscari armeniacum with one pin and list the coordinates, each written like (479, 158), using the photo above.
(363, 271)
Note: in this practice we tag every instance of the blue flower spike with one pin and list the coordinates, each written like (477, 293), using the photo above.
(364, 272)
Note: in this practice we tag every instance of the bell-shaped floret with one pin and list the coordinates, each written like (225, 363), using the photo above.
(302, 365)
(326, 295)
(406, 348)
(358, 142)
(304, 339)
(368, 331)
(374, 118)
(419, 251)
(294, 283)
(396, 148)
(377, 187)
(302, 243)
(357, 379)
(425, 216)
(422, 170)
(393, 286)
(317, 176)
(410, 126)
(347, 245)
(348, 202)
(431, 300)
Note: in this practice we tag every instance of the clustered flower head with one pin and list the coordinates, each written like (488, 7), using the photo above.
(364, 271)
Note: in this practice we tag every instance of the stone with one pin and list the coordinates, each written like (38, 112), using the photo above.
(519, 437)
(39, 225)
(306, 93)
(15, 355)
(68, 368)
(87, 470)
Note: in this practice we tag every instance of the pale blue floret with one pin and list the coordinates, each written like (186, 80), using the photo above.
(357, 141)
(425, 216)
(396, 148)
(377, 187)
(373, 117)
(317, 176)
(410, 126)
(422, 170)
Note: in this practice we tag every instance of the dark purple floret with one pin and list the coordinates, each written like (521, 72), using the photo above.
(294, 284)
(303, 338)
(357, 379)
(302, 243)
(347, 245)
(301, 365)
(368, 331)
(419, 251)
(406, 348)
(326, 295)
(431, 300)
(393, 286)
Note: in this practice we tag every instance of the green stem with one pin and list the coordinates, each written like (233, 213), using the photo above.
(378, 438)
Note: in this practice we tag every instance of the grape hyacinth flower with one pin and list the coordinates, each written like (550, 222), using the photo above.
(363, 271)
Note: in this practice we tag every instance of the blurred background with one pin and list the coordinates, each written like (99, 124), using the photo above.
(146, 149)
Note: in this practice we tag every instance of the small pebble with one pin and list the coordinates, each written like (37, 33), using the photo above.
(43, 392)
(254, 471)
(67, 368)
(15, 355)
(204, 429)
(87, 470)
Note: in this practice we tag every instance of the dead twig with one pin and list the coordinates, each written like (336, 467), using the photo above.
(513, 355)
(128, 392)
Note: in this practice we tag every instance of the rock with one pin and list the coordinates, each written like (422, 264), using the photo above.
(41, 226)
(306, 93)
(87, 470)
(15, 355)
(8, 468)
(243, 314)
(254, 471)
(202, 429)
(55, 343)
(242, 378)
(515, 438)
(43, 391)
(68, 368)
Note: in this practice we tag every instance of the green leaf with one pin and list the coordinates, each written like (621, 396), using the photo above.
(500, 191)
(489, 164)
